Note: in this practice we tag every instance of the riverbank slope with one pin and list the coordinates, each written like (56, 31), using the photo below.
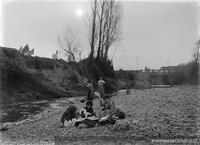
(25, 78)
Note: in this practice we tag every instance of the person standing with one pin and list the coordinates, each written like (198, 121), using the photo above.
(90, 90)
(101, 84)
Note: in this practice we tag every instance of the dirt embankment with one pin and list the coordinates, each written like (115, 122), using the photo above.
(27, 78)
(151, 114)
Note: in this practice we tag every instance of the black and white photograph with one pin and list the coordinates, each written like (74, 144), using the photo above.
(99, 72)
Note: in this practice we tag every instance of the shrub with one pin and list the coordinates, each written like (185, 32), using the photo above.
(165, 79)
(26, 50)
(100, 68)
(111, 85)
(142, 85)
(142, 81)
(106, 67)
(121, 74)
(124, 84)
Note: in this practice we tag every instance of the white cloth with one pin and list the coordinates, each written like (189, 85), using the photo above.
(85, 112)
(70, 123)
(101, 82)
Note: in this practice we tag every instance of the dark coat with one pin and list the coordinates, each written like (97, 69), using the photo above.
(69, 114)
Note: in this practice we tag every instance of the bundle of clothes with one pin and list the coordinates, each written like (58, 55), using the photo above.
(86, 117)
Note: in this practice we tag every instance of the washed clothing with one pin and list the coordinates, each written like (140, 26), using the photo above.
(90, 110)
(87, 123)
(86, 112)
(70, 123)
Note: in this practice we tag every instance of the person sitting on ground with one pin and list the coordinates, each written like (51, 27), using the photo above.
(109, 105)
(69, 115)
(105, 115)
(87, 111)
(90, 90)
(88, 116)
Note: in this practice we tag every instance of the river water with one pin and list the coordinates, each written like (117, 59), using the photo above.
(15, 112)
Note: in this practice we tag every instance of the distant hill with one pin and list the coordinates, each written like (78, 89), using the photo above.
(26, 78)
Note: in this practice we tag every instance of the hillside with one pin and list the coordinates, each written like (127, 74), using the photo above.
(25, 78)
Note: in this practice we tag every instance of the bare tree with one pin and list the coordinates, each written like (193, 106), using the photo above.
(112, 33)
(101, 17)
(105, 26)
(68, 41)
(196, 51)
(92, 31)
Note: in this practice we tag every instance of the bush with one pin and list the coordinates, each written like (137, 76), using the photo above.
(121, 74)
(156, 79)
(111, 85)
(191, 72)
(94, 69)
(106, 67)
(177, 78)
(142, 81)
(124, 84)
(142, 85)
(165, 79)
(26, 50)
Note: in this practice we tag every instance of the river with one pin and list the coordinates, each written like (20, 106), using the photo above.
(15, 112)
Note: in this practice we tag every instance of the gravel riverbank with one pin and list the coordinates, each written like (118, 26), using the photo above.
(152, 114)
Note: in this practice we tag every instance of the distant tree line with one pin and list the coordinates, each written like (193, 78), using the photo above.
(182, 74)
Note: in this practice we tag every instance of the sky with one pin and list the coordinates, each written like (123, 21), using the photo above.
(154, 33)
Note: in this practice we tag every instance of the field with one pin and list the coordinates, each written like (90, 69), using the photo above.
(151, 114)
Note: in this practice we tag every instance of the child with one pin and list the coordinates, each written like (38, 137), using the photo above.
(87, 111)
(109, 106)
(90, 90)
(88, 116)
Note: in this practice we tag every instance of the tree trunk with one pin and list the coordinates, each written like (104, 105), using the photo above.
(100, 30)
(93, 29)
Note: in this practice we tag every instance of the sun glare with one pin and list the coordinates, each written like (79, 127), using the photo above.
(79, 12)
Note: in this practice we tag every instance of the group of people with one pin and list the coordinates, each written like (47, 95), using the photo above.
(90, 87)
(86, 117)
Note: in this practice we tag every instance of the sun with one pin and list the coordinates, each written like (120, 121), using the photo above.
(79, 12)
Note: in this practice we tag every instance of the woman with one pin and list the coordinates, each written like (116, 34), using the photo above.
(90, 90)
(101, 84)
(69, 116)
(110, 112)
